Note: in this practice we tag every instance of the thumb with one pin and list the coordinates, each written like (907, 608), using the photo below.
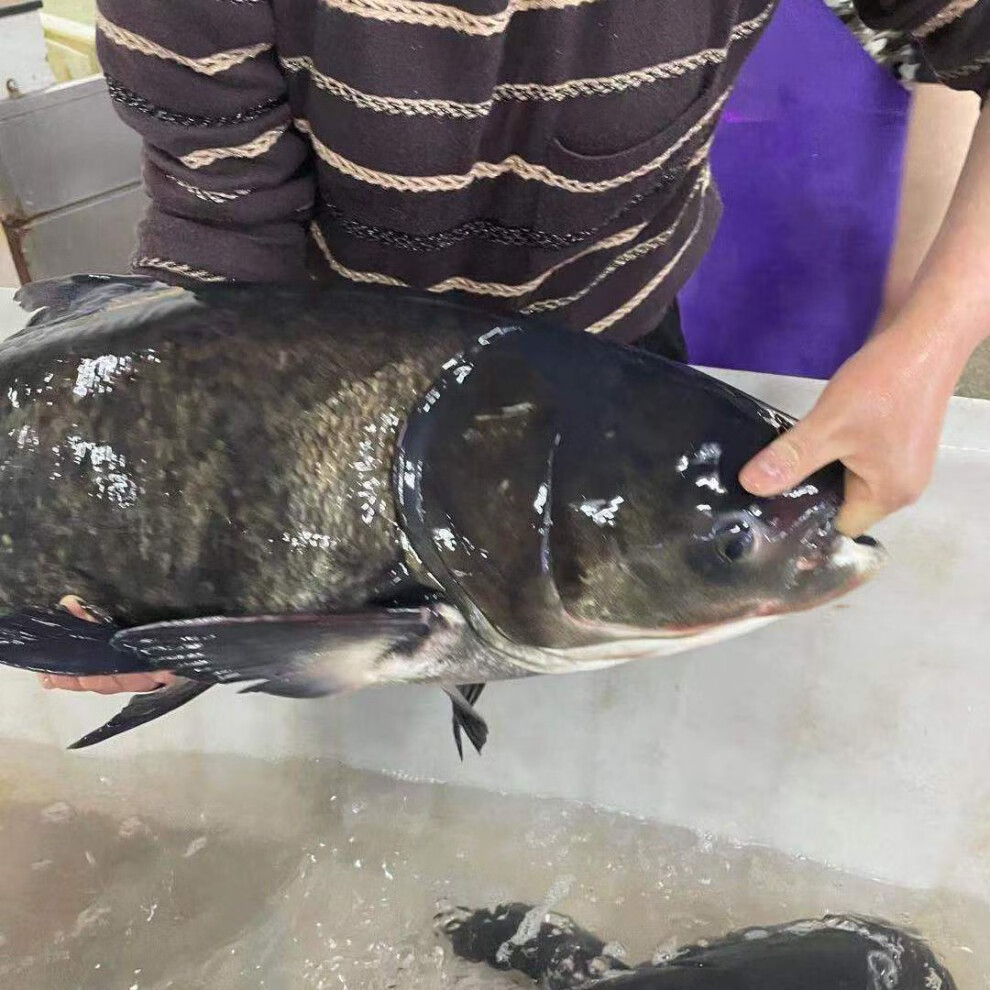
(792, 457)
(860, 511)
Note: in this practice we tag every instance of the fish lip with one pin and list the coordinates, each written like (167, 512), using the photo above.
(856, 561)
(824, 544)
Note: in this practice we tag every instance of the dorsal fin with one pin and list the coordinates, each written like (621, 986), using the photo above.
(56, 299)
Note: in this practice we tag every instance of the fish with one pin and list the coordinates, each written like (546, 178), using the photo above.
(836, 952)
(309, 490)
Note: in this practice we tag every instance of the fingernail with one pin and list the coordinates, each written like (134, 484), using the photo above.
(46, 683)
(773, 468)
(96, 613)
(762, 474)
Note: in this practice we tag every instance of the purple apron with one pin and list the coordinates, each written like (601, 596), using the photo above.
(808, 160)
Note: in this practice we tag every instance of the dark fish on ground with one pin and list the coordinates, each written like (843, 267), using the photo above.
(838, 952)
(308, 491)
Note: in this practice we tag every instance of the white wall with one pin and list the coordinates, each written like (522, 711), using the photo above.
(23, 56)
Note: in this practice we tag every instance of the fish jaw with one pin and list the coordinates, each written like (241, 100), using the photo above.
(848, 565)
(647, 647)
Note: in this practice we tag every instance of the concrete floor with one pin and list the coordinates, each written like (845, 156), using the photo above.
(975, 382)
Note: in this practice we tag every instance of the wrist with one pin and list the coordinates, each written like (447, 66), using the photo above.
(942, 330)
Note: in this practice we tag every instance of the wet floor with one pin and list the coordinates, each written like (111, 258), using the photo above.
(195, 872)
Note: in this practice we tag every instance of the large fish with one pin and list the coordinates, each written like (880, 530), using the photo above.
(310, 491)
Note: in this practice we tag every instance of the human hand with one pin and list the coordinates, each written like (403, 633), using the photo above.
(881, 416)
(105, 683)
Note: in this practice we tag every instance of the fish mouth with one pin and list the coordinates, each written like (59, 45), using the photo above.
(816, 543)
(829, 566)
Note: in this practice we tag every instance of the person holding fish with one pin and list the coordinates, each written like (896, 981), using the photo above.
(544, 157)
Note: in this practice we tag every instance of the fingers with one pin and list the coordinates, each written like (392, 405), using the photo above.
(108, 684)
(81, 610)
(885, 486)
(861, 510)
(792, 457)
(103, 683)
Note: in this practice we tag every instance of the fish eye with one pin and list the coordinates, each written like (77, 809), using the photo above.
(734, 540)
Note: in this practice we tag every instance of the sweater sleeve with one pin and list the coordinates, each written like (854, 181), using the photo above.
(229, 178)
(953, 35)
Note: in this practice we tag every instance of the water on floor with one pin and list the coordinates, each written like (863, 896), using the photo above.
(221, 873)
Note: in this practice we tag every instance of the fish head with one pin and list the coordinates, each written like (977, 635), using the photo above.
(653, 533)
(580, 500)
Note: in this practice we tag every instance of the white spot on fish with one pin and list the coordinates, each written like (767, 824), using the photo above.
(486, 338)
(445, 538)
(109, 467)
(540, 502)
(26, 437)
(711, 481)
(96, 375)
(600, 511)
(801, 491)
(307, 539)
(779, 421)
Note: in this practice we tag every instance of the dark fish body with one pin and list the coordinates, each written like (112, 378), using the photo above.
(174, 458)
(832, 953)
(310, 491)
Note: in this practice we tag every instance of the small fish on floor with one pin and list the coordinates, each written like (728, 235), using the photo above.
(832, 953)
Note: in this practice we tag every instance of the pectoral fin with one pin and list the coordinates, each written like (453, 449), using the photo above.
(144, 708)
(296, 656)
(293, 656)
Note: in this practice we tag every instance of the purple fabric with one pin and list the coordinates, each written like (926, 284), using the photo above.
(808, 159)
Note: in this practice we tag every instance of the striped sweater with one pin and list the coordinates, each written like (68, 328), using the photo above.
(543, 156)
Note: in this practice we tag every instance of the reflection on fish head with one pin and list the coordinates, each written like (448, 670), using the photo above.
(653, 534)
